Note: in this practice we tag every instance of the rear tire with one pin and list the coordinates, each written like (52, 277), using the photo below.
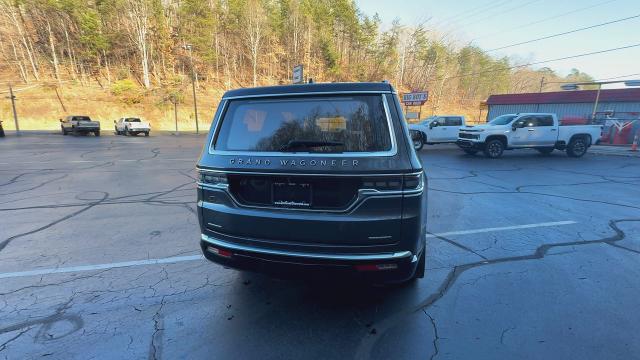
(96, 133)
(577, 147)
(470, 151)
(64, 132)
(545, 150)
(146, 133)
(494, 148)
(126, 132)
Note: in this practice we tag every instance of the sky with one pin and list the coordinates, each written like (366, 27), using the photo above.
(492, 24)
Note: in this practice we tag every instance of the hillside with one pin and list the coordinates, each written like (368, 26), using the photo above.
(133, 57)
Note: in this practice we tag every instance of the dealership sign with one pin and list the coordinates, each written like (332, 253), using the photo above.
(415, 98)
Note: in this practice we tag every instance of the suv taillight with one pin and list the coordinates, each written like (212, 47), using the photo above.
(211, 178)
(412, 182)
(406, 182)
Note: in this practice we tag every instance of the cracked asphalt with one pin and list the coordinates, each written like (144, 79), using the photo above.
(72, 207)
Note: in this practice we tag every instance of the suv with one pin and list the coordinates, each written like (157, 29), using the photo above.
(313, 179)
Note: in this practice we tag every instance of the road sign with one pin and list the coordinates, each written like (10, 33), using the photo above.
(298, 74)
(415, 98)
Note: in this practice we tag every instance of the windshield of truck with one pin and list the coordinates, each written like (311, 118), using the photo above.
(330, 124)
(502, 120)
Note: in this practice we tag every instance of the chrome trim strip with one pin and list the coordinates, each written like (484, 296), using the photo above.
(302, 173)
(391, 152)
(354, 257)
(307, 93)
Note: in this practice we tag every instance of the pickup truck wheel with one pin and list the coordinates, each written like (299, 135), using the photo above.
(470, 151)
(96, 133)
(418, 144)
(74, 131)
(146, 133)
(577, 147)
(126, 132)
(545, 150)
(64, 132)
(493, 149)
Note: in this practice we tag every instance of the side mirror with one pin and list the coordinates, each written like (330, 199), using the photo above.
(433, 124)
(60, 120)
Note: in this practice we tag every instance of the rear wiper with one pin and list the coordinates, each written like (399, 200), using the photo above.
(305, 144)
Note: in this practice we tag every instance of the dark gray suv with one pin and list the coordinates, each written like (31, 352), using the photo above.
(313, 179)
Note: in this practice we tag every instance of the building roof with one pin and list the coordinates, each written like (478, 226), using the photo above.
(311, 88)
(564, 97)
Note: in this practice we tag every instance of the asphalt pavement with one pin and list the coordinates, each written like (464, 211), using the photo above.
(529, 257)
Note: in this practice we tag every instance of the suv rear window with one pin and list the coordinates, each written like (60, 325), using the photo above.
(330, 124)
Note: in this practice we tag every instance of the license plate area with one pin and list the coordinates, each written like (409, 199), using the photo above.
(291, 194)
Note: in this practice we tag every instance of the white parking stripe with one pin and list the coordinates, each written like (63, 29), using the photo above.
(169, 260)
(94, 161)
(493, 229)
(177, 259)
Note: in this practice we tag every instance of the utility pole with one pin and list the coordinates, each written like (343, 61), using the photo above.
(193, 83)
(595, 104)
(541, 84)
(174, 100)
(13, 105)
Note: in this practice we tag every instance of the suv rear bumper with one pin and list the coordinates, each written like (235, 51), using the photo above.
(378, 267)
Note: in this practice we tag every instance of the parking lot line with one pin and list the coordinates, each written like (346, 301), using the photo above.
(169, 260)
(93, 161)
(504, 228)
(177, 259)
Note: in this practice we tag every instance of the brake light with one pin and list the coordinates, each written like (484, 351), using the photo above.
(220, 252)
(211, 178)
(412, 182)
(376, 267)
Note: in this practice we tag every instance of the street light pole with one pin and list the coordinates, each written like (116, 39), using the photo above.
(193, 84)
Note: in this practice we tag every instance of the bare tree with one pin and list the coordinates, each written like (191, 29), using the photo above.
(138, 27)
(256, 22)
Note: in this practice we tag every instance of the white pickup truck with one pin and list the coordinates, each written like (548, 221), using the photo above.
(538, 131)
(436, 129)
(131, 126)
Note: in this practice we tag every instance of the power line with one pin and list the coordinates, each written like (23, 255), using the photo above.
(565, 33)
(500, 12)
(546, 61)
(483, 10)
(470, 10)
(546, 19)
(603, 79)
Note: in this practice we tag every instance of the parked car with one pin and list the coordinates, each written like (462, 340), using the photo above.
(538, 131)
(436, 129)
(131, 126)
(79, 124)
(1, 129)
(313, 178)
